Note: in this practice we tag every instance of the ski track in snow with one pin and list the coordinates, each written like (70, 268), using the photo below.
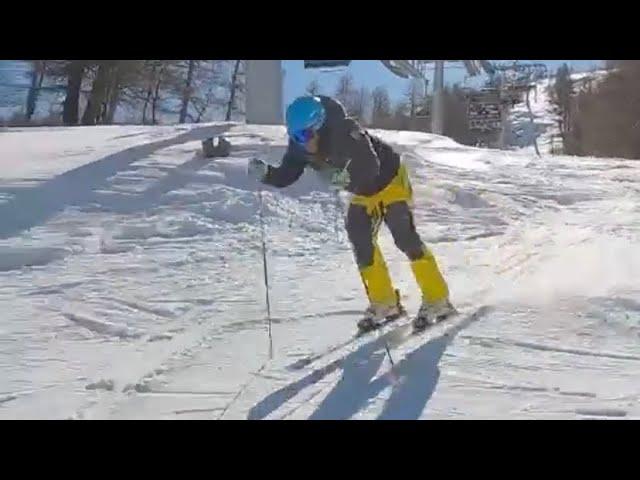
(131, 283)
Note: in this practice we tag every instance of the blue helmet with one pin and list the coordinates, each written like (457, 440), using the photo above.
(304, 117)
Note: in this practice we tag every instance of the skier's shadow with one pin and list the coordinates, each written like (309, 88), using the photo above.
(413, 381)
(368, 356)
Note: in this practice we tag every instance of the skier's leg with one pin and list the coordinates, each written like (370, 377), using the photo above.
(362, 229)
(399, 219)
(435, 292)
(397, 199)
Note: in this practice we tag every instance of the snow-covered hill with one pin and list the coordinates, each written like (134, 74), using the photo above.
(131, 283)
(542, 123)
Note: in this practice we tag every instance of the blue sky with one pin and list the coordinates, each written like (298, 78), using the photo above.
(371, 73)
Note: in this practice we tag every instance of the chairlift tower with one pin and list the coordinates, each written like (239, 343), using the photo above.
(264, 98)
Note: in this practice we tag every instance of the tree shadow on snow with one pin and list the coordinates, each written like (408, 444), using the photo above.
(228, 172)
(368, 358)
(176, 178)
(33, 206)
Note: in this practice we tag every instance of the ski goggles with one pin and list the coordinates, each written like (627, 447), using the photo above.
(302, 137)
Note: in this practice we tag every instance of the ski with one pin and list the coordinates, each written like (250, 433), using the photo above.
(448, 327)
(385, 328)
(398, 332)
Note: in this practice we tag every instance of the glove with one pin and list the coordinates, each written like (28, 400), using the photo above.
(257, 169)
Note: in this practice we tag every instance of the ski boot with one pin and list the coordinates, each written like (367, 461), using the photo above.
(377, 315)
(432, 313)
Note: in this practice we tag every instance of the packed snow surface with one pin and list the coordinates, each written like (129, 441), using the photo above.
(131, 283)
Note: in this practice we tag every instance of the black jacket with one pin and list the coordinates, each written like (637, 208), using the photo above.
(370, 162)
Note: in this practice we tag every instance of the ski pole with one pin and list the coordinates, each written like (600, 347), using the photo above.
(339, 216)
(339, 207)
(266, 271)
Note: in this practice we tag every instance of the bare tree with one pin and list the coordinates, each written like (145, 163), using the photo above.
(187, 90)
(381, 106)
(146, 84)
(75, 72)
(151, 72)
(156, 81)
(208, 90)
(202, 103)
(38, 72)
(414, 97)
(69, 75)
(124, 74)
(236, 85)
(360, 104)
(113, 96)
(167, 80)
(104, 80)
(155, 99)
(219, 88)
(99, 88)
(346, 92)
(562, 92)
(401, 121)
(605, 120)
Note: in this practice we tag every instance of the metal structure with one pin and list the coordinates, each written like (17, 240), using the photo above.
(526, 71)
(326, 64)
(486, 113)
(264, 98)
(485, 110)
(488, 108)
(264, 79)
(417, 69)
(405, 68)
(437, 116)
(516, 80)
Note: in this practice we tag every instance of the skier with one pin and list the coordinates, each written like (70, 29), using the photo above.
(323, 137)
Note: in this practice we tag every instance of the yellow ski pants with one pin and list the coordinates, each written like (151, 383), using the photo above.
(393, 205)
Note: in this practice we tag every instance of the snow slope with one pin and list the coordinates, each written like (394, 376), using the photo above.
(525, 129)
(131, 283)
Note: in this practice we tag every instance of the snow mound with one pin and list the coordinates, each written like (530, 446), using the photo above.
(109, 247)
(7, 398)
(103, 327)
(15, 258)
(101, 385)
(468, 199)
(160, 336)
(162, 228)
(602, 412)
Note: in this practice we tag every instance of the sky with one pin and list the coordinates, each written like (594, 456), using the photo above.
(371, 73)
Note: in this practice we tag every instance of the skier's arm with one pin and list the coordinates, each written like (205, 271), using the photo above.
(365, 165)
(290, 170)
